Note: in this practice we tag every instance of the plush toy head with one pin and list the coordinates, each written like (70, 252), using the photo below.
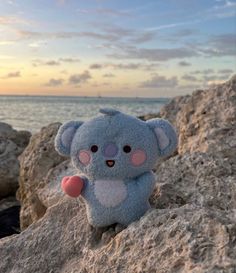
(115, 145)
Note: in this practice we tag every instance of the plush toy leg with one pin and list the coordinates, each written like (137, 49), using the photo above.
(72, 185)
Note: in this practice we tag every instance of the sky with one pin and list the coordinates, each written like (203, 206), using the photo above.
(135, 48)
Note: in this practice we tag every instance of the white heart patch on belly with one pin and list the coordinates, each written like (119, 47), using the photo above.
(110, 193)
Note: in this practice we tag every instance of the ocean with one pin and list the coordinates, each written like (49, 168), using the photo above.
(33, 112)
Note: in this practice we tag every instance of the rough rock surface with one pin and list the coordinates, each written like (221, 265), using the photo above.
(206, 121)
(200, 179)
(8, 202)
(191, 228)
(185, 239)
(12, 144)
(37, 159)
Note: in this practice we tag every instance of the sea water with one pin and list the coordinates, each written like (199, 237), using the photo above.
(33, 112)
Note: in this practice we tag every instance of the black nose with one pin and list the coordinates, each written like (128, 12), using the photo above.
(110, 163)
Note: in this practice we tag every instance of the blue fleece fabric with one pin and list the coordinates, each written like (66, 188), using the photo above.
(133, 183)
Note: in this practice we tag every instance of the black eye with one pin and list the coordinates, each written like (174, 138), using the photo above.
(127, 149)
(94, 148)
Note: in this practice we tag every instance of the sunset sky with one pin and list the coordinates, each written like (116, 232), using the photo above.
(115, 48)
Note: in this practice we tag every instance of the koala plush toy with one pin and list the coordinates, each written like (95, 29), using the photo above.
(115, 154)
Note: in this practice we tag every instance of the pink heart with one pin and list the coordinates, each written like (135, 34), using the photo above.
(72, 185)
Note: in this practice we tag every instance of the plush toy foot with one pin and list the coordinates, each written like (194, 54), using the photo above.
(72, 185)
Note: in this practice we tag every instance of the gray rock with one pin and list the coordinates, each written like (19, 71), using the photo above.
(185, 239)
(36, 161)
(12, 144)
(200, 179)
(51, 193)
(8, 202)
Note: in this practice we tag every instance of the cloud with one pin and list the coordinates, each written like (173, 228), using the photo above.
(184, 63)
(112, 12)
(154, 54)
(57, 62)
(124, 66)
(10, 75)
(189, 78)
(77, 79)
(105, 11)
(203, 72)
(111, 33)
(52, 63)
(69, 60)
(131, 35)
(143, 37)
(188, 88)
(208, 76)
(37, 44)
(227, 9)
(158, 81)
(128, 66)
(184, 33)
(54, 82)
(225, 44)
(225, 71)
(181, 35)
(217, 46)
(173, 25)
(215, 78)
(25, 34)
(108, 75)
(96, 84)
(96, 66)
(47, 62)
(117, 30)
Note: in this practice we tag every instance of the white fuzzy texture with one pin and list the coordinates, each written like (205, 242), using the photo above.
(110, 193)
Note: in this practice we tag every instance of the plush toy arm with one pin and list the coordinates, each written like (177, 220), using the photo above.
(145, 183)
(72, 185)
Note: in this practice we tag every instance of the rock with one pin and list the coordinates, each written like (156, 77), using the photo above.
(185, 239)
(200, 179)
(36, 161)
(8, 202)
(150, 116)
(171, 110)
(12, 144)
(51, 193)
(206, 120)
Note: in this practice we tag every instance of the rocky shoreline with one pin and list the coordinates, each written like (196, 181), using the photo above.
(191, 227)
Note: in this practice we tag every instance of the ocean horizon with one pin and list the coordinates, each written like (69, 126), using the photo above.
(27, 112)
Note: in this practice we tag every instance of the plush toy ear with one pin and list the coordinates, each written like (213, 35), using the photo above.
(65, 136)
(165, 135)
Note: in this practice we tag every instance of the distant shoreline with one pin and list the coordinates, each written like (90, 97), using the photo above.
(86, 97)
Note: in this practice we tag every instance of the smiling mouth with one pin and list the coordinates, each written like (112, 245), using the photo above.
(110, 163)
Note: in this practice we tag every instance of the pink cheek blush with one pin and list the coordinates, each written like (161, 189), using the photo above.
(138, 157)
(84, 157)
